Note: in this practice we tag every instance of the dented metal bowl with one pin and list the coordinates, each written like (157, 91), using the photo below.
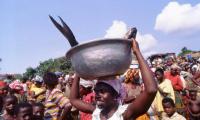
(101, 58)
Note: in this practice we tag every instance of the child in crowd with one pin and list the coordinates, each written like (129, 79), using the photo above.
(9, 103)
(165, 89)
(38, 111)
(23, 111)
(37, 91)
(170, 110)
(193, 106)
(108, 105)
(56, 104)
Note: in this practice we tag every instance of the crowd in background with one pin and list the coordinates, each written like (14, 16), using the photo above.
(47, 97)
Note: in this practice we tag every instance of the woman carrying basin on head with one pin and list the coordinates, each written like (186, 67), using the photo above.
(108, 94)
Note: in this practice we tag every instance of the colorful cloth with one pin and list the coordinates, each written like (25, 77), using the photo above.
(143, 117)
(16, 85)
(132, 89)
(89, 98)
(178, 101)
(175, 116)
(37, 91)
(86, 83)
(166, 87)
(118, 115)
(176, 81)
(54, 103)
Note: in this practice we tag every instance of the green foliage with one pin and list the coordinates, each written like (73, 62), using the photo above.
(18, 76)
(52, 65)
(30, 73)
(184, 51)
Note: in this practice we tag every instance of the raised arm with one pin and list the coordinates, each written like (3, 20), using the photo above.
(76, 101)
(142, 103)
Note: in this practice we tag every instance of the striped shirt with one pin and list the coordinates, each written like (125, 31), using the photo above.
(54, 103)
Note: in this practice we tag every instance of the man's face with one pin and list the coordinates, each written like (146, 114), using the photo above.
(159, 75)
(193, 95)
(169, 109)
(70, 81)
(38, 112)
(173, 71)
(25, 113)
(9, 104)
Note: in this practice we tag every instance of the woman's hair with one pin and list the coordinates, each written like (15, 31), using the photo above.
(168, 100)
(100, 86)
(50, 79)
(130, 75)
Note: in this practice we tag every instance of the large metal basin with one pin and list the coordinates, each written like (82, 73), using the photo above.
(101, 58)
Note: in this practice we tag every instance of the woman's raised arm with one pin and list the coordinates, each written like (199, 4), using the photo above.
(142, 103)
(76, 101)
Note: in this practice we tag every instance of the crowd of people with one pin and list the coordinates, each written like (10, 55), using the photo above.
(166, 89)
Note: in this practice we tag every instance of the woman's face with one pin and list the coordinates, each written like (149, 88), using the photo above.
(103, 98)
(159, 76)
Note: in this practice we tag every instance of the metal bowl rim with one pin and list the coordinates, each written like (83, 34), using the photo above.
(95, 41)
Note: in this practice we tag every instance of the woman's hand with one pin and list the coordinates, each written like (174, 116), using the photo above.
(135, 46)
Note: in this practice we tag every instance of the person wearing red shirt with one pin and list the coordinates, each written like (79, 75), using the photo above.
(175, 79)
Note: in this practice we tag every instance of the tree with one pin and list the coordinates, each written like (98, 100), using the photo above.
(52, 65)
(184, 51)
(46, 66)
(30, 73)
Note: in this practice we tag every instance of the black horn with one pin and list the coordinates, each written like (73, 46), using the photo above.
(65, 30)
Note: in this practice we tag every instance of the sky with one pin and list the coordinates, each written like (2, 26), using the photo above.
(27, 36)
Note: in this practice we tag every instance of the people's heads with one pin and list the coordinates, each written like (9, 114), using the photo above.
(168, 106)
(24, 111)
(159, 73)
(70, 80)
(174, 69)
(85, 86)
(132, 76)
(9, 103)
(24, 79)
(193, 94)
(193, 69)
(3, 88)
(38, 111)
(170, 61)
(50, 79)
(136, 78)
(10, 77)
(106, 95)
(38, 81)
(71, 73)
